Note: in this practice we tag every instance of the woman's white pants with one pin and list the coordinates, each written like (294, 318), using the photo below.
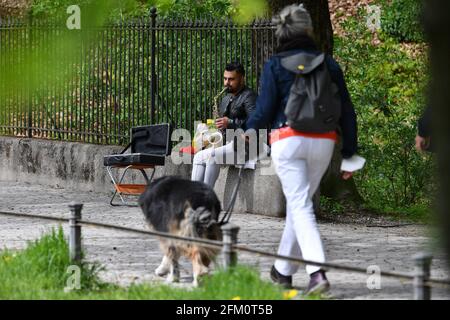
(300, 162)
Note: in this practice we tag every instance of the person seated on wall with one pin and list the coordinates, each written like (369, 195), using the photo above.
(234, 109)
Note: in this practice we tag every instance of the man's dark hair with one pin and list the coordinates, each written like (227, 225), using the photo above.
(235, 66)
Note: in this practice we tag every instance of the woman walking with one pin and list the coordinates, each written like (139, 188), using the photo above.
(300, 157)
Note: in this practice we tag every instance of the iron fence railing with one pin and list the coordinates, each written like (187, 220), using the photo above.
(136, 72)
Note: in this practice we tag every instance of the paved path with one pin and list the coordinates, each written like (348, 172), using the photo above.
(132, 258)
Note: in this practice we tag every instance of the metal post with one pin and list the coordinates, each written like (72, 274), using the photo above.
(75, 232)
(422, 263)
(153, 65)
(229, 255)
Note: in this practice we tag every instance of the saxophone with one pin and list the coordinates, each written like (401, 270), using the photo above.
(215, 136)
(207, 135)
(216, 103)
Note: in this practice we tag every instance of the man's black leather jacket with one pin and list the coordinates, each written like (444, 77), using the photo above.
(238, 108)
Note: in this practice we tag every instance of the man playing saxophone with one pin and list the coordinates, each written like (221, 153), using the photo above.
(233, 111)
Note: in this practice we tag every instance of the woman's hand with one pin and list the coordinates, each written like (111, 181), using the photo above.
(422, 143)
(346, 175)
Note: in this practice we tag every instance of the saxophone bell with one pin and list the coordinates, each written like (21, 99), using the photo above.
(215, 138)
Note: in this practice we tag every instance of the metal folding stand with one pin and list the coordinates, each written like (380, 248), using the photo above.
(227, 215)
(122, 189)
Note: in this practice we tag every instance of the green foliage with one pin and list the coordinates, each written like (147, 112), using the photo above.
(193, 9)
(180, 9)
(387, 88)
(331, 207)
(53, 8)
(401, 20)
(242, 11)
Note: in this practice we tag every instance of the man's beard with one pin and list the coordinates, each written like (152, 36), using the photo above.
(232, 90)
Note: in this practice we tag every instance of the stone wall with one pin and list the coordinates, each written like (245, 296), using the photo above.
(75, 165)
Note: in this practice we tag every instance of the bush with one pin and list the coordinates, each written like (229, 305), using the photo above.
(387, 88)
(401, 20)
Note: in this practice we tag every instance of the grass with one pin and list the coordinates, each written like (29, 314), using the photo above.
(41, 272)
(416, 213)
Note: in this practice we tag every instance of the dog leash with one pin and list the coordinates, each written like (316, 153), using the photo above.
(226, 217)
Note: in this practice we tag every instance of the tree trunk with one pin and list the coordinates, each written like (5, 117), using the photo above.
(320, 15)
(332, 185)
(437, 26)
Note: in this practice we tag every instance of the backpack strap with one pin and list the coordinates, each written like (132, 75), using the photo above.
(302, 63)
(283, 54)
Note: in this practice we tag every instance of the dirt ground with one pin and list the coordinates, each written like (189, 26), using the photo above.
(131, 258)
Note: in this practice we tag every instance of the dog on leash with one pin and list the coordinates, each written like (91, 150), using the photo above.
(185, 208)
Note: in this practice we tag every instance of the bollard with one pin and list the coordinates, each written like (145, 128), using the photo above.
(229, 255)
(75, 232)
(422, 263)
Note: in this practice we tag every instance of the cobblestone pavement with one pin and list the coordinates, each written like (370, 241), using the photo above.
(132, 258)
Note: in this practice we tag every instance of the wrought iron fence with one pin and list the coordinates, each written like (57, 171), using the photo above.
(136, 72)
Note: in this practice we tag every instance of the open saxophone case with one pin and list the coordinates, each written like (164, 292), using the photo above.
(149, 146)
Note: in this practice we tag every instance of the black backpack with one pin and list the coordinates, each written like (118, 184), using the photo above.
(314, 103)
